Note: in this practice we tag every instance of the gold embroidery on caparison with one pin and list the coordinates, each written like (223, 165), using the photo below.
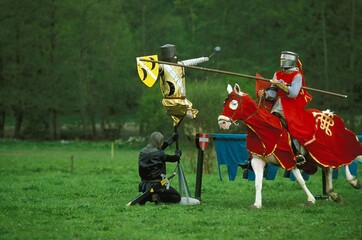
(326, 120)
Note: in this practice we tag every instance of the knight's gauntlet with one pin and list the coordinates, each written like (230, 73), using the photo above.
(282, 86)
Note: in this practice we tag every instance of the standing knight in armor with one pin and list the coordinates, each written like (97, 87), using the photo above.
(173, 85)
(290, 99)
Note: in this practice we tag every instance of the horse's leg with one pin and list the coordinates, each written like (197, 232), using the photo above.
(329, 185)
(351, 179)
(298, 176)
(258, 167)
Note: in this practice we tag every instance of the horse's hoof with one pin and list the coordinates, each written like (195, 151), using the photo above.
(335, 197)
(357, 185)
(254, 207)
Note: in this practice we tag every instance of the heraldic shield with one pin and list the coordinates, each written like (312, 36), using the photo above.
(148, 71)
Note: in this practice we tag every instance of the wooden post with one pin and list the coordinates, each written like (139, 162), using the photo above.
(200, 163)
(201, 141)
(112, 150)
(324, 195)
(71, 163)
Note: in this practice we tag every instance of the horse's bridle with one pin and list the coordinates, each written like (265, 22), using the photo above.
(239, 103)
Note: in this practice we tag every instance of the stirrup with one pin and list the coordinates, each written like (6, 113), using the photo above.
(300, 159)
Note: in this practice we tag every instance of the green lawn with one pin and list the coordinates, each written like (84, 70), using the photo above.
(78, 191)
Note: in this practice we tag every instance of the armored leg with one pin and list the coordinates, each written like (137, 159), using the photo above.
(299, 151)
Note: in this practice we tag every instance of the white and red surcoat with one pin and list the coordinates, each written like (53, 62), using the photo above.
(301, 123)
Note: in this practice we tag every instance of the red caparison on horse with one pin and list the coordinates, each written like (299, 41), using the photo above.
(268, 141)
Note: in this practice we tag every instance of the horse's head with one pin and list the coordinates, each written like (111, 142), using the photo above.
(237, 106)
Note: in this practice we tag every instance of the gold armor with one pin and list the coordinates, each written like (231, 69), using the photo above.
(282, 86)
(173, 90)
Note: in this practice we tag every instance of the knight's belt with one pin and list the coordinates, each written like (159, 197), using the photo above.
(152, 180)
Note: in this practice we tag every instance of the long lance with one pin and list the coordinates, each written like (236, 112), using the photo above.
(238, 75)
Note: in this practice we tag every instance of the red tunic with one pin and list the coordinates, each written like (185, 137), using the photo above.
(301, 124)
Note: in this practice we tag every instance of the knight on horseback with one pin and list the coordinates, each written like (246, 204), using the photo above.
(290, 100)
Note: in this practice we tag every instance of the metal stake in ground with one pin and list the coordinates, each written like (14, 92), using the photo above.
(182, 183)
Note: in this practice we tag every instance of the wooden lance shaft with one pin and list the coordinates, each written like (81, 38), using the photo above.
(239, 75)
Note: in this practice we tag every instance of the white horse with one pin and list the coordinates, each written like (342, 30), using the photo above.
(259, 122)
(258, 163)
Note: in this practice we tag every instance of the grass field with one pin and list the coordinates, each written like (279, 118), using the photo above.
(77, 190)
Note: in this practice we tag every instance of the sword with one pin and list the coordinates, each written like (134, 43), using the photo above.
(239, 75)
(152, 190)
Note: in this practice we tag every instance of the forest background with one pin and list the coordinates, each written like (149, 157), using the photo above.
(68, 68)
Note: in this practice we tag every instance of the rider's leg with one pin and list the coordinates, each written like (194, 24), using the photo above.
(299, 151)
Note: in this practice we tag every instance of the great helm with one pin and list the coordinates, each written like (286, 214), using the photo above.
(288, 59)
(168, 53)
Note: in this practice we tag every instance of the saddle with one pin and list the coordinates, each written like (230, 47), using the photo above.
(295, 145)
(282, 120)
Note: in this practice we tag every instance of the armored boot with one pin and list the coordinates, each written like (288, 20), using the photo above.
(156, 199)
(299, 152)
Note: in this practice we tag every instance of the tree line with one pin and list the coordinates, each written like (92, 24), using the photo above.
(68, 68)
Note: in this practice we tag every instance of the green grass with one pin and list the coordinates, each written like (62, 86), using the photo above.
(46, 195)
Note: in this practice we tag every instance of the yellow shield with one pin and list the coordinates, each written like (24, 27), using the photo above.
(147, 71)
